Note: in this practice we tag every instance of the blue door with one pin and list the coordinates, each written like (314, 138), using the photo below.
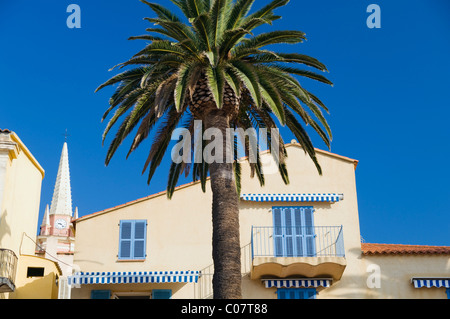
(100, 294)
(293, 232)
(161, 294)
(296, 293)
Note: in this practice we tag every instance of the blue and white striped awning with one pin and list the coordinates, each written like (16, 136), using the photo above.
(431, 282)
(138, 277)
(297, 283)
(331, 197)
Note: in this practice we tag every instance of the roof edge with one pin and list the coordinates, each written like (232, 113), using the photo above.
(107, 210)
(46, 259)
(318, 150)
(371, 249)
(27, 152)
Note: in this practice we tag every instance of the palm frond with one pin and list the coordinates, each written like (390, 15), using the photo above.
(272, 97)
(271, 57)
(216, 83)
(229, 40)
(180, 92)
(162, 12)
(269, 38)
(161, 142)
(239, 11)
(124, 76)
(267, 10)
(176, 30)
(177, 168)
(233, 81)
(249, 78)
(262, 16)
(304, 73)
(218, 14)
(302, 136)
(202, 27)
(143, 131)
(130, 100)
(195, 7)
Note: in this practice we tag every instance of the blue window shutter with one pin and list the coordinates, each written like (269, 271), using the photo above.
(286, 293)
(298, 233)
(293, 294)
(132, 239)
(125, 239)
(161, 293)
(277, 232)
(296, 293)
(310, 293)
(140, 230)
(281, 294)
(288, 231)
(100, 294)
(294, 233)
(309, 232)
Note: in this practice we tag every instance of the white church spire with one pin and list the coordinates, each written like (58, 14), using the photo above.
(46, 219)
(62, 197)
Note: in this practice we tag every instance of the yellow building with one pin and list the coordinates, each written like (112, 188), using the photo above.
(20, 190)
(299, 241)
(37, 278)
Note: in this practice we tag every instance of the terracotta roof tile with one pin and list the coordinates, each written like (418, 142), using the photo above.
(393, 249)
(5, 130)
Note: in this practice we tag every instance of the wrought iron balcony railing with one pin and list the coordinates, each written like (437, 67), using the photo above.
(8, 265)
(297, 241)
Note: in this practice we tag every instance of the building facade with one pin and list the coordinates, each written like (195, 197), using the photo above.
(298, 241)
(36, 278)
(22, 275)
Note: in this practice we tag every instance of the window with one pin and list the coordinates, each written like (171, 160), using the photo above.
(294, 234)
(296, 293)
(161, 294)
(132, 239)
(35, 272)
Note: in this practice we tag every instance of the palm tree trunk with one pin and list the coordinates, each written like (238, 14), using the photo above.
(225, 217)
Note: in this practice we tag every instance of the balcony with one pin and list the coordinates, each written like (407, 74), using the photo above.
(8, 264)
(298, 251)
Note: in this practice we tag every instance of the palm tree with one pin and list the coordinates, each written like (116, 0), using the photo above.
(212, 67)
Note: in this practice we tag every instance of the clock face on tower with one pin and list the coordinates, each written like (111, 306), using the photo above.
(60, 224)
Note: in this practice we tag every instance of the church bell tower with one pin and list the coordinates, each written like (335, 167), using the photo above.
(56, 237)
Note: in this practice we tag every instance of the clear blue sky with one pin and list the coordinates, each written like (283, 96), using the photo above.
(389, 106)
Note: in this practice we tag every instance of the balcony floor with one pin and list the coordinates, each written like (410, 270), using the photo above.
(310, 267)
(6, 285)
